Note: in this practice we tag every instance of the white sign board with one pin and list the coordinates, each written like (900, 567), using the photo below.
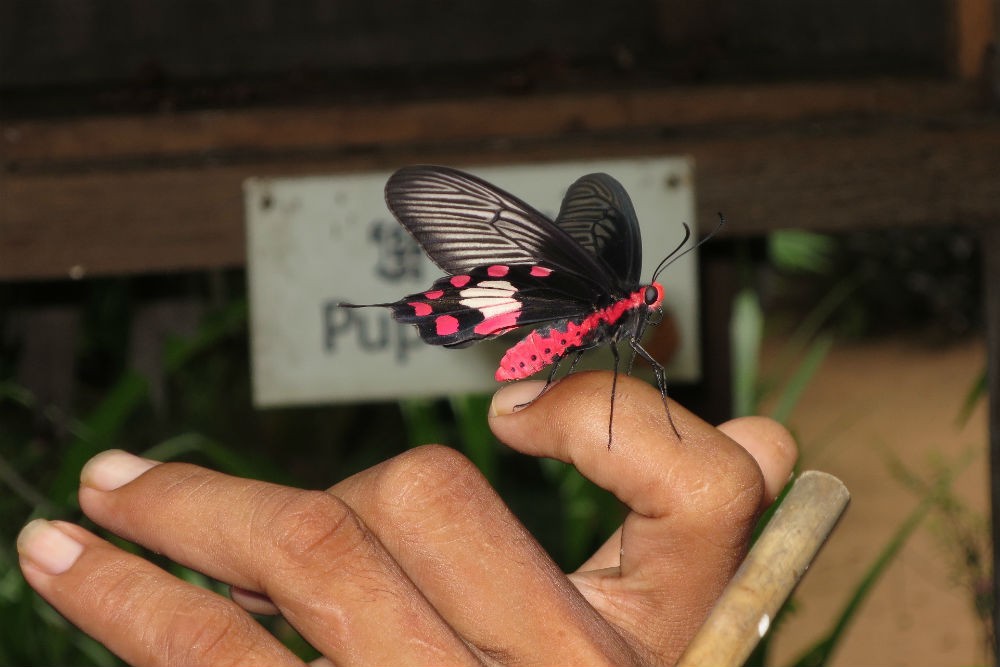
(314, 242)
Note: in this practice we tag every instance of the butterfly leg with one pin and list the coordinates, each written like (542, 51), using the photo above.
(548, 381)
(614, 388)
(631, 362)
(661, 378)
(552, 374)
(576, 359)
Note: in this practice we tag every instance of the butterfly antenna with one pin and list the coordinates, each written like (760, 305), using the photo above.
(663, 262)
(674, 256)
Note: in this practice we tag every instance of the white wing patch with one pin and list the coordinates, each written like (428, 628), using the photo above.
(491, 298)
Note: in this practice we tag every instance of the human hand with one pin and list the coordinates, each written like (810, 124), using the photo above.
(417, 560)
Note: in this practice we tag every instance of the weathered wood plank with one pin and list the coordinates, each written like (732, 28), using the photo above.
(833, 178)
(249, 134)
(161, 42)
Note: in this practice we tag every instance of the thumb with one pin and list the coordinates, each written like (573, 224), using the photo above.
(694, 499)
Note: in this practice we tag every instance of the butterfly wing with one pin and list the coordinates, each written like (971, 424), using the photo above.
(488, 301)
(598, 214)
(463, 223)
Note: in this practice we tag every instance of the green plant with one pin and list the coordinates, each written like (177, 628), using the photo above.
(796, 365)
(798, 361)
(32, 632)
(211, 421)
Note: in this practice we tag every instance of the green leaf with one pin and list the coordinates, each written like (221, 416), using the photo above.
(801, 378)
(220, 456)
(746, 331)
(100, 430)
(975, 394)
(478, 442)
(801, 251)
(422, 423)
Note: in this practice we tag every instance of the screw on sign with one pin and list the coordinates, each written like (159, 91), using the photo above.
(575, 280)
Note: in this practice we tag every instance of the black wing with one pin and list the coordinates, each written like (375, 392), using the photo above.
(597, 212)
(462, 222)
(484, 306)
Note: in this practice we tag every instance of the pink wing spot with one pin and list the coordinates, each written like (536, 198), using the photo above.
(497, 271)
(446, 325)
(497, 323)
(540, 271)
(460, 281)
(420, 308)
(435, 294)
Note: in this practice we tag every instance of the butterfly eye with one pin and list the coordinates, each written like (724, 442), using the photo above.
(651, 295)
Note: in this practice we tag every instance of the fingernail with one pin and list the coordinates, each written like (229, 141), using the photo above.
(48, 547)
(513, 397)
(113, 469)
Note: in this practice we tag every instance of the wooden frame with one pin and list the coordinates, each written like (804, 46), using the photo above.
(97, 196)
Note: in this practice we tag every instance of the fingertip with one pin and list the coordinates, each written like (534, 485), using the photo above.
(513, 397)
(541, 420)
(771, 445)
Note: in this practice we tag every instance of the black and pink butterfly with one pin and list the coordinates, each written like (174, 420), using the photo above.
(575, 280)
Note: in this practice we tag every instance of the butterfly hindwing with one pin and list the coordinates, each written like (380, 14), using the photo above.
(487, 302)
(598, 214)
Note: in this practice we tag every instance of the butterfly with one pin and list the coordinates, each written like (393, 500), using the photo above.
(574, 280)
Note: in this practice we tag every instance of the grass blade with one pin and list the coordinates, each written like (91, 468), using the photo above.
(821, 652)
(746, 331)
(801, 378)
(478, 442)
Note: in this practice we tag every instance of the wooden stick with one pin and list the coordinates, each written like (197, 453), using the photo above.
(990, 248)
(769, 573)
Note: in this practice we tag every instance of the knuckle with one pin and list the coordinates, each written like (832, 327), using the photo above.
(117, 590)
(427, 478)
(203, 630)
(732, 498)
(312, 528)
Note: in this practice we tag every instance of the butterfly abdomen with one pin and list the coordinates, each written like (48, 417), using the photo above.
(544, 346)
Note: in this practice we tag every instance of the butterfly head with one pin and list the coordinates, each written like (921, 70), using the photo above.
(652, 296)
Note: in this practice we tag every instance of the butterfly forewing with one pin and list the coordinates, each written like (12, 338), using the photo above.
(464, 223)
(489, 301)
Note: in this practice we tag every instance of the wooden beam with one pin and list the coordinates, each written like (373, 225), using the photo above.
(199, 137)
(836, 178)
(971, 34)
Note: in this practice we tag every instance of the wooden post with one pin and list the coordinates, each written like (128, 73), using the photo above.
(971, 34)
(990, 244)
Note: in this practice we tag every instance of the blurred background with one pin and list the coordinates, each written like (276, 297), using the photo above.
(853, 146)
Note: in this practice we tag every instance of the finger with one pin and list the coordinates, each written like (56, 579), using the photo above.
(694, 499)
(771, 446)
(479, 567)
(253, 602)
(141, 613)
(305, 550)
